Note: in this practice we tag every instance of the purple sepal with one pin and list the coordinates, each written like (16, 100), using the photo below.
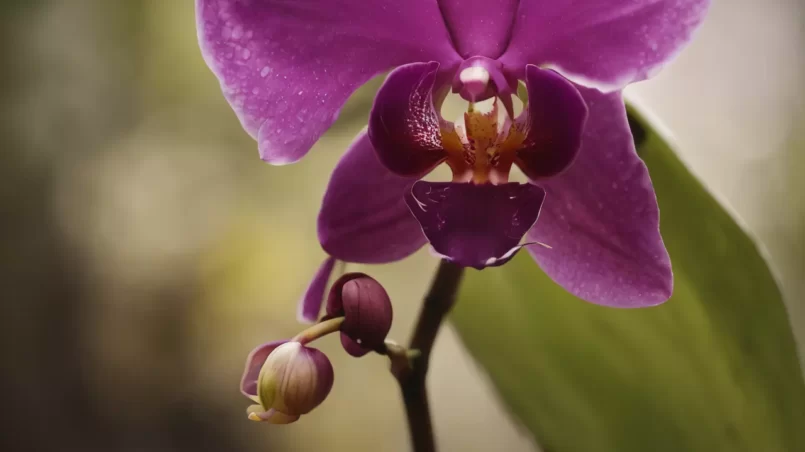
(603, 44)
(287, 67)
(479, 27)
(310, 304)
(367, 312)
(475, 225)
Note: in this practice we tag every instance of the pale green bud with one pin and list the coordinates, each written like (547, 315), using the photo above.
(293, 380)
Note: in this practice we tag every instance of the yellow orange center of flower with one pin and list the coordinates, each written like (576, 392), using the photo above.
(482, 147)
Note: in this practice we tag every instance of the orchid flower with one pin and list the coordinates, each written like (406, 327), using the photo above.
(287, 67)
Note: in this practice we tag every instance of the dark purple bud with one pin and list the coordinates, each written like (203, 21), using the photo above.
(366, 309)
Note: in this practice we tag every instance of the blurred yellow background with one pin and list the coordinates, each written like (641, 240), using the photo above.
(147, 249)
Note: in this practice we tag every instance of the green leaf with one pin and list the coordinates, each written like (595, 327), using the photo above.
(713, 369)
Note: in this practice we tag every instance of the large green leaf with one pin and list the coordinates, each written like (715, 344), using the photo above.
(713, 369)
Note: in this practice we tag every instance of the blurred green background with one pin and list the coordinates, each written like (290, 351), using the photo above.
(146, 249)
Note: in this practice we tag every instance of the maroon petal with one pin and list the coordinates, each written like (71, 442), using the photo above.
(475, 225)
(310, 304)
(479, 27)
(601, 218)
(254, 362)
(403, 125)
(363, 216)
(553, 122)
(287, 67)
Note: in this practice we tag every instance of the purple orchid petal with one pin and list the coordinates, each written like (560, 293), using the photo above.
(403, 124)
(287, 67)
(605, 44)
(310, 304)
(254, 362)
(363, 216)
(479, 27)
(601, 218)
(475, 225)
(553, 122)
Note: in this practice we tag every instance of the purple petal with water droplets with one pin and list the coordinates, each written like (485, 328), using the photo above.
(601, 218)
(287, 67)
(605, 44)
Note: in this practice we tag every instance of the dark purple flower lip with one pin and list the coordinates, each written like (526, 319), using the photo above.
(475, 225)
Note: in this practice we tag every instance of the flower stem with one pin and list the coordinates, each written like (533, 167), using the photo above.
(318, 330)
(438, 301)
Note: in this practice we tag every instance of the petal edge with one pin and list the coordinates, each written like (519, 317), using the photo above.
(475, 225)
(601, 218)
(269, 56)
(363, 217)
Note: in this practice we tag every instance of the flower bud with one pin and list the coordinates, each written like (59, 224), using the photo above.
(254, 362)
(366, 309)
(293, 380)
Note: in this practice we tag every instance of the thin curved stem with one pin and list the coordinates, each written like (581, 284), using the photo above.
(318, 330)
(438, 301)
